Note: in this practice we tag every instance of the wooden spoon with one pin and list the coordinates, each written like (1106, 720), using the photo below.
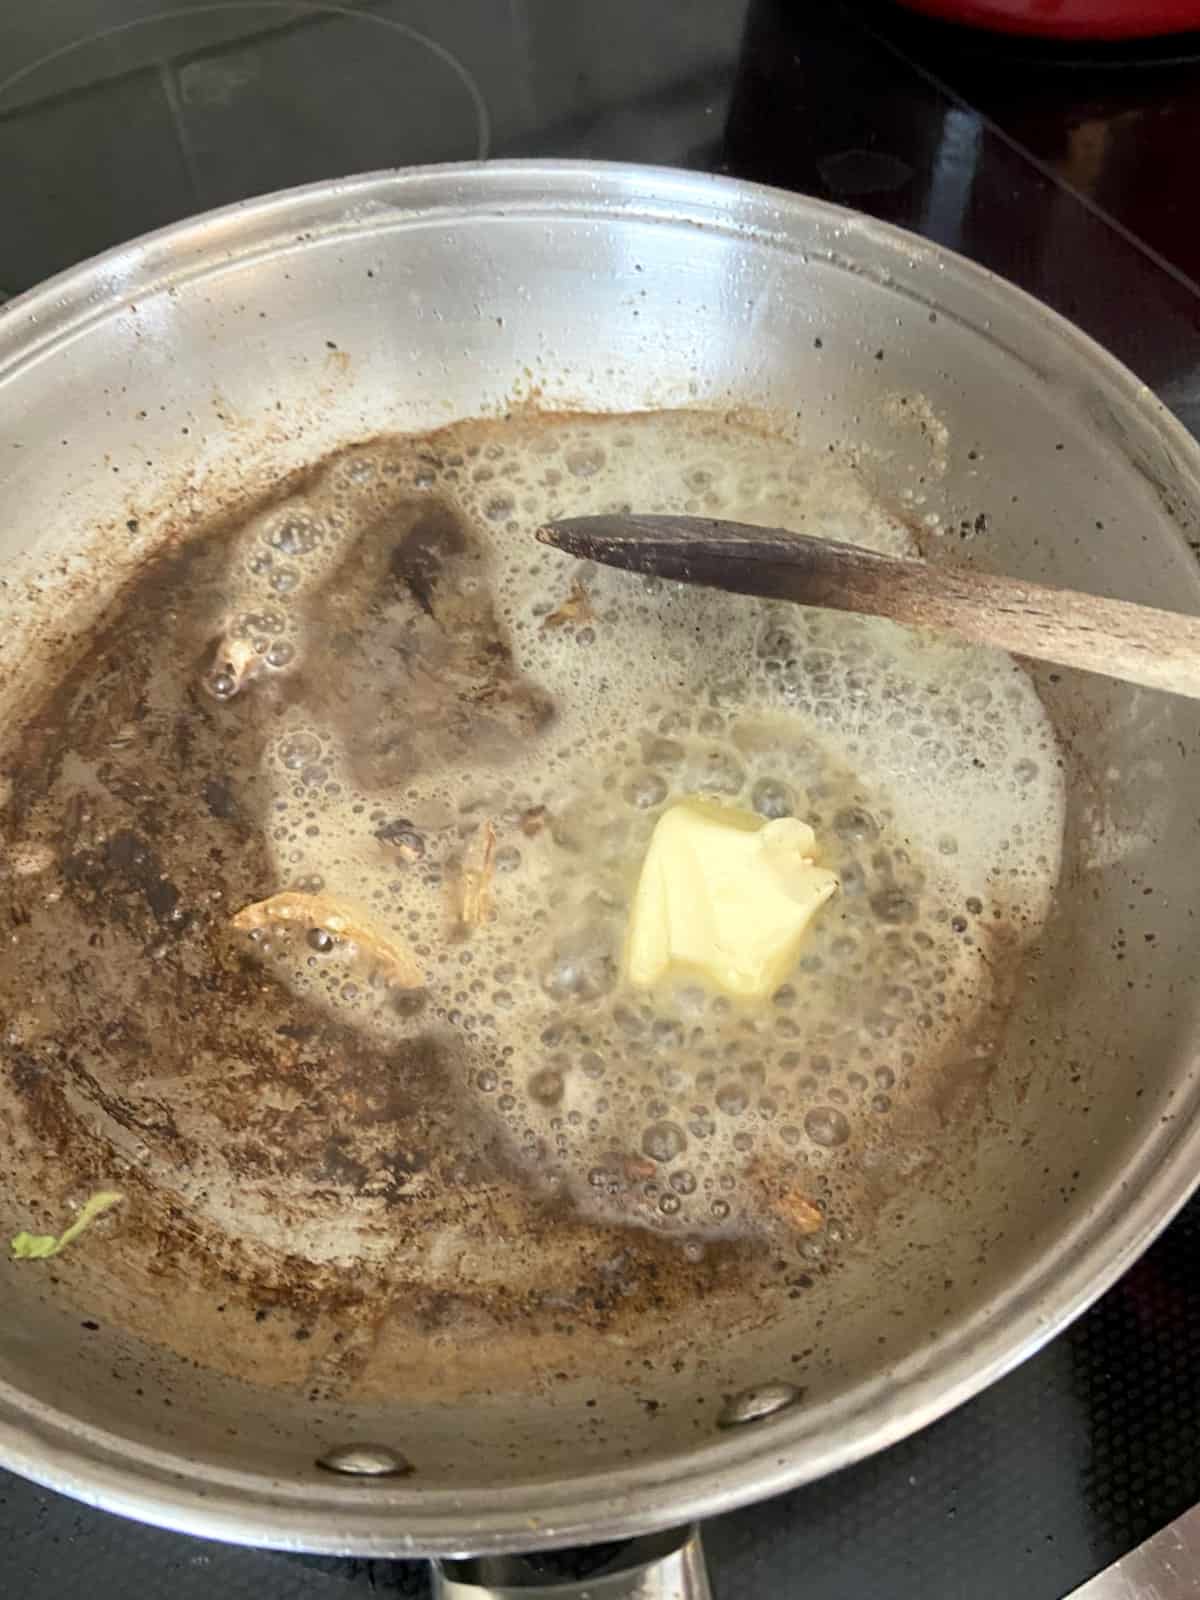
(1138, 644)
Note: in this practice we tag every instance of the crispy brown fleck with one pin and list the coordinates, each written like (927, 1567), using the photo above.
(533, 821)
(576, 608)
(475, 884)
(338, 917)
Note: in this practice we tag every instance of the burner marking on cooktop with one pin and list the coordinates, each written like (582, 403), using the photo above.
(302, 8)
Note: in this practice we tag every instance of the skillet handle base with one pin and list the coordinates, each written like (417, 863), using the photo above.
(661, 1566)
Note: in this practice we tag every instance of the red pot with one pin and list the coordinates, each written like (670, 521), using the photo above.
(1069, 19)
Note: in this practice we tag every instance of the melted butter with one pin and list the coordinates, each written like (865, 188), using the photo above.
(442, 674)
(379, 692)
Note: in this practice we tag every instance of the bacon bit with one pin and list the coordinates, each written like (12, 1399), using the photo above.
(338, 917)
(236, 660)
(785, 1201)
(576, 608)
(798, 1212)
(532, 822)
(638, 1169)
(475, 884)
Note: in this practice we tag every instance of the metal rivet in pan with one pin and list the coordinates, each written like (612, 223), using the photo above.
(752, 1405)
(365, 1461)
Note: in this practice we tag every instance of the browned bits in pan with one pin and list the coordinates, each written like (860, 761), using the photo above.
(576, 609)
(532, 822)
(475, 884)
(322, 911)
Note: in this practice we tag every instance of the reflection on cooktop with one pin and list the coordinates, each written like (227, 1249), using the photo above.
(119, 118)
(1056, 168)
(111, 130)
(1115, 123)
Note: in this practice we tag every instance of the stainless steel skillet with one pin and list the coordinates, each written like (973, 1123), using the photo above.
(187, 373)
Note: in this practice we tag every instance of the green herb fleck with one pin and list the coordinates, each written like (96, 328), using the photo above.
(37, 1246)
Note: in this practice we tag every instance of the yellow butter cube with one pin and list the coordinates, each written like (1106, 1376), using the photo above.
(724, 897)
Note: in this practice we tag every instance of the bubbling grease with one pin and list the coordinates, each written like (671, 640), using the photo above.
(927, 769)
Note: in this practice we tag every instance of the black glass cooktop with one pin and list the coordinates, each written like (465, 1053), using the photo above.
(1069, 171)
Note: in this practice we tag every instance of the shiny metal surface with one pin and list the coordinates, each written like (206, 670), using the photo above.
(365, 1461)
(1166, 1567)
(752, 1405)
(182, 373)
(659, 1567)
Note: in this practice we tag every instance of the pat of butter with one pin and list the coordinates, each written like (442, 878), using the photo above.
(724, 897)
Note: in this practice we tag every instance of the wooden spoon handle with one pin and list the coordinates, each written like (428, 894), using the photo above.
(1138, 644)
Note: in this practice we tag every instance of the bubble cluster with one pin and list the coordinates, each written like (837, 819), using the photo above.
(910, 757)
